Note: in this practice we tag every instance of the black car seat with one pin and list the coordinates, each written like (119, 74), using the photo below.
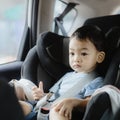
(110, 25)
(47, 61)
(104, 22)
(113, 40)
(99, 107)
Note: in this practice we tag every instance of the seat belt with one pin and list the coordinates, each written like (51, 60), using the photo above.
(59, 20)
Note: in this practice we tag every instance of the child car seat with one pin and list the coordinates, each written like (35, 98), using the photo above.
(113, 39)
(99, 107)
(110, 25)
(47, 61)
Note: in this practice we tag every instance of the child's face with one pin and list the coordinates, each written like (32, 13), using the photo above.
(83, 56)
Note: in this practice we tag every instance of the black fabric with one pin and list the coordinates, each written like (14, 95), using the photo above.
(9, 107)
(117, 115)
(111, 76)
(32, 70)
(77, 114)
(97, 106)
(29, 67)
(106, 68)
(52, 63)
(113, 38)
(112, 55)
(104, 22)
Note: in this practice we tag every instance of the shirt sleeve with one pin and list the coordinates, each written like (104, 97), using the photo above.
(90, 88)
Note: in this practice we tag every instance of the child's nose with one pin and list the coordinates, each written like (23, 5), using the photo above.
(77, 59)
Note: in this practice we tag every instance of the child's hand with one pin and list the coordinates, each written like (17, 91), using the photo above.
(38, 92)
(64, 107)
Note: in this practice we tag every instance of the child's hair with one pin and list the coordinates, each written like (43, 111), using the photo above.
(92, 33)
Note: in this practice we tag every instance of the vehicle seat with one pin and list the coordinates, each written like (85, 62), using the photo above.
(113, 39)
(47, 61)
(110, 25)
(99, 106)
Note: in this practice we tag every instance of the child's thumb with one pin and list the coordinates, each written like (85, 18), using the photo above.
(41, 85)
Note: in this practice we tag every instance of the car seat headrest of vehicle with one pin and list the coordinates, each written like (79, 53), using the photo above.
(104, 22)
(113, 38)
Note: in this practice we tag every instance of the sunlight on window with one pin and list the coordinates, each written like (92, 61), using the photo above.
(12, 21)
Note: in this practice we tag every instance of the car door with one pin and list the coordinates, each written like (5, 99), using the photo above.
(16, 34)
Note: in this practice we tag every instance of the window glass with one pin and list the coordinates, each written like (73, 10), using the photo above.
(12, 21)
(69, 19)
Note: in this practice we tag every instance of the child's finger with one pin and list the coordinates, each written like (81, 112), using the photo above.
(58, 107)
(41, 86)
(34, 87)
(70, 116)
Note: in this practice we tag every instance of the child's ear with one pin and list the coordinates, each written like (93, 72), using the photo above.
(100, 57)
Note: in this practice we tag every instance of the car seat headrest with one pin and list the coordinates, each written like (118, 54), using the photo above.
(52, 50)
(112, 44)
(66, 51)
(112, 73)
(113, 36)
(113, 54)
(113, 40)
(104, 22)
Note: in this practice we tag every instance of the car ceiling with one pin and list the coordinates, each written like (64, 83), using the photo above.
(109, 6)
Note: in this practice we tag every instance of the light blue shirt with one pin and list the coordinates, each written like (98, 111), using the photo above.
(90, 88)
(70, 79)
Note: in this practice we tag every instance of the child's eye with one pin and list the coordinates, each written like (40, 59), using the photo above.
(71, 53)
(84, 54)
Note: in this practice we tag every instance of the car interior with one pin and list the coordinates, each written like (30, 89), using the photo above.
(43, 52)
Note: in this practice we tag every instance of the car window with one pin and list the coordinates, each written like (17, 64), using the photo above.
(68, 19)
(12, 21)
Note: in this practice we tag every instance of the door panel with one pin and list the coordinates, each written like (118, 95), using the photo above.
(10, 71)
